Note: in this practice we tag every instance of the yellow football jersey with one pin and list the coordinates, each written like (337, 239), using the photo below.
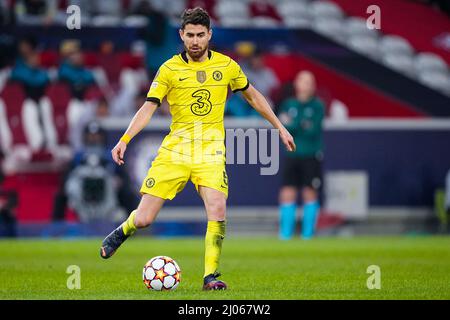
(196, 93)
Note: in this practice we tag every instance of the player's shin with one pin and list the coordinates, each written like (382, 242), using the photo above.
(215, 234)
(287, 220)
(128, 226)
(310, 212)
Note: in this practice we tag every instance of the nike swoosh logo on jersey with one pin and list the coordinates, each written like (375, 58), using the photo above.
(181, 79)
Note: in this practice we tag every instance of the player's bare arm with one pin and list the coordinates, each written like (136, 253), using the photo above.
(139, 121)
(260, 104)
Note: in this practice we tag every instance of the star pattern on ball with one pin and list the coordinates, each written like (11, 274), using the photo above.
(160, 274)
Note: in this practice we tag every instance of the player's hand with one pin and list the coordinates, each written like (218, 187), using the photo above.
(288, 140)
(118, 152)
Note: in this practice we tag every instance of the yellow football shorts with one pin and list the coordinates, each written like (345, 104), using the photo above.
(166, 177)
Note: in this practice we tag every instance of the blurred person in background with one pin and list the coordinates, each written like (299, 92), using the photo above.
(92, 185)
(73, 71)
(79, 78)
(37, 116)
(27, 70)
(95, 111)
(263, 78)
(8, 204)
(303, 116)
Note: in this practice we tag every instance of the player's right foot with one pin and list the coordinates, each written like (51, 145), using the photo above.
(112, 242)
(210, 282)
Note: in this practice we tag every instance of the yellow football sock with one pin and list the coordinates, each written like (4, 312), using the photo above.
(215, 232)
(128, 226)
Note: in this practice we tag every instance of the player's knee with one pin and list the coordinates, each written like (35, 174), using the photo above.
(216, 209)
(309, 194)
(288, 195)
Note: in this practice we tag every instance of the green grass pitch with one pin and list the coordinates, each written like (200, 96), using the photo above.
(254, 268)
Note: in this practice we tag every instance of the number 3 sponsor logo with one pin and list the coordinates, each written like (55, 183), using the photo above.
(203, 105)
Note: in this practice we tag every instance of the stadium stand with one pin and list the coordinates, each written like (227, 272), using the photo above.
(363, 102)
(398, 37)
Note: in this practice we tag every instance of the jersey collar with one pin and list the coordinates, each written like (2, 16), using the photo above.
(185, 58)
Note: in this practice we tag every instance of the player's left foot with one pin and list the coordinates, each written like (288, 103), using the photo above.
(210, 282)
(112, 242)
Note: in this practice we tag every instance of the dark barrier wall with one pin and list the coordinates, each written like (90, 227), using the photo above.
(405, 166)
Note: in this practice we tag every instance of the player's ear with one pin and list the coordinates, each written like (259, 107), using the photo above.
(209, 34)
(181, 32)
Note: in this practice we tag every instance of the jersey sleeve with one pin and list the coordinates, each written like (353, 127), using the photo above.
(239, 81)
(160, 86)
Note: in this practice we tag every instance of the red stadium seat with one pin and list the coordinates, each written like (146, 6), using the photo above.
(49, 59)
(13, 97)
(208, 5)
(112, 66)
(90, 59)
(128, 60)
(93, 93)
(59, 94)
(264, 9)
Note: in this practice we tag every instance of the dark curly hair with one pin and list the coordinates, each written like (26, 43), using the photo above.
(195, 16)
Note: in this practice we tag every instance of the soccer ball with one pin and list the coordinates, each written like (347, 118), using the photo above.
(161, 273)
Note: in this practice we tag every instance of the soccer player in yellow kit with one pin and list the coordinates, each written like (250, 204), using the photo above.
(195, 83)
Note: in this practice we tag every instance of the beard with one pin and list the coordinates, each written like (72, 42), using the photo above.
(196, 55)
